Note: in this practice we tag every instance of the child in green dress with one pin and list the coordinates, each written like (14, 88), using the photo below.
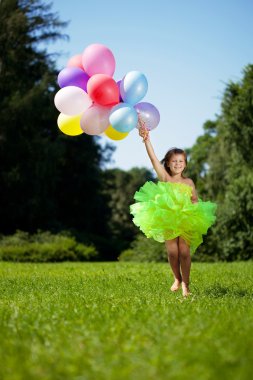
(171, 212)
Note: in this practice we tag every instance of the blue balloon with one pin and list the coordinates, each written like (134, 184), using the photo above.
(133, 87)
(123, 117)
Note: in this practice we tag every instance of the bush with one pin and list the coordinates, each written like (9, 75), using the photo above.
(144, 250)
(44, 247)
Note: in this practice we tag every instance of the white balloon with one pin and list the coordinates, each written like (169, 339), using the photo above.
(95, 120)
(72, 100)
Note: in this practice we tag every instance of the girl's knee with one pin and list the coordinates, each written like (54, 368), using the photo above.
(184, 249)
(173, 253)
(184, 253)
(172, 250)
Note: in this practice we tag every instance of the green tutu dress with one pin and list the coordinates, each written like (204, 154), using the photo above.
(164, 211)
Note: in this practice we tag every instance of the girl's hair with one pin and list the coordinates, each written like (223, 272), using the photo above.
(168, 156)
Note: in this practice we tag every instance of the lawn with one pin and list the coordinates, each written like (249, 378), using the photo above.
(116, 321)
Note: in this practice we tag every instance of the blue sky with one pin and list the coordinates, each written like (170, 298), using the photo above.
(188, 51)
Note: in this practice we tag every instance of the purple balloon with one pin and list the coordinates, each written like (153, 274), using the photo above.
(73, 76)
(118, 84)
(149, 114)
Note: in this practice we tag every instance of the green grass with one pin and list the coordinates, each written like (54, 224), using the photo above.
(120, 321)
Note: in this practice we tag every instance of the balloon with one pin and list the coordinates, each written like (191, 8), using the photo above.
(73, 76)
(91, 101)
(123, 117)
(149, 114)
(103, 90)
(133, 87)
(98, 59)
(118, 84)
(70, 125)
(72, 100)
(115, 135)
(95, 120)
(75, 61)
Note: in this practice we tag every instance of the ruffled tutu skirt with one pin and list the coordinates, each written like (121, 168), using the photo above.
(164, 211)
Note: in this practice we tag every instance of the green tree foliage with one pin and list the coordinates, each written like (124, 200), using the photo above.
(119, 188)
(198, 155)
(227, 155)
(47, 180)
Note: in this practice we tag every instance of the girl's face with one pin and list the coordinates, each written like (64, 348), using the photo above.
(177, 163)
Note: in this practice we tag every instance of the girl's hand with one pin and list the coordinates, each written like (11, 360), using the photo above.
(143, 131)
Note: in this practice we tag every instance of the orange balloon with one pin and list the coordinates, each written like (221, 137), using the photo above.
(75, 61)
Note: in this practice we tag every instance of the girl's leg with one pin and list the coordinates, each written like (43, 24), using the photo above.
(173, 258)
(185, 262)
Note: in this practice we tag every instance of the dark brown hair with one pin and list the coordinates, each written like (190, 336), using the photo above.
(168, 156)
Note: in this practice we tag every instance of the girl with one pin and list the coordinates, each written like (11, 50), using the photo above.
(170, 211)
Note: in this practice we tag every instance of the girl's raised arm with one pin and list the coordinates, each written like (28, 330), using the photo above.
(158, 167)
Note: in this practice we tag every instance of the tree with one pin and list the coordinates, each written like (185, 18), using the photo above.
(47, 180)
(235, 217)
(198, 155)
(26, 84)
(228, 180)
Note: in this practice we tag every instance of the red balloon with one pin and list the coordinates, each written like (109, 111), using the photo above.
(103, 90)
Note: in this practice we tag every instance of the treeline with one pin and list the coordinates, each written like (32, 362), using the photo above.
(221, 164)
(56, 183)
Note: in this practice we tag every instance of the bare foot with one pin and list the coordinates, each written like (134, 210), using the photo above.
(175, 286)
(185, 289)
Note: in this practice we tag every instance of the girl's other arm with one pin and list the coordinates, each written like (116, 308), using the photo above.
(158, 167)
(194, 197)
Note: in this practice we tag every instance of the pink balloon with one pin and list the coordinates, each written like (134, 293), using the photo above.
(98, 59)
(72, 100)
(95, 120)
(75, 61)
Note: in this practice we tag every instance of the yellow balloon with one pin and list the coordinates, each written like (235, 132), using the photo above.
(70, 125)
(115, 135)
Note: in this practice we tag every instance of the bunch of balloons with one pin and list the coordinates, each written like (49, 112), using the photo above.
(92, 102)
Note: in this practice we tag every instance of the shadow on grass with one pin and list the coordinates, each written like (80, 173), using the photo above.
(217, 291)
